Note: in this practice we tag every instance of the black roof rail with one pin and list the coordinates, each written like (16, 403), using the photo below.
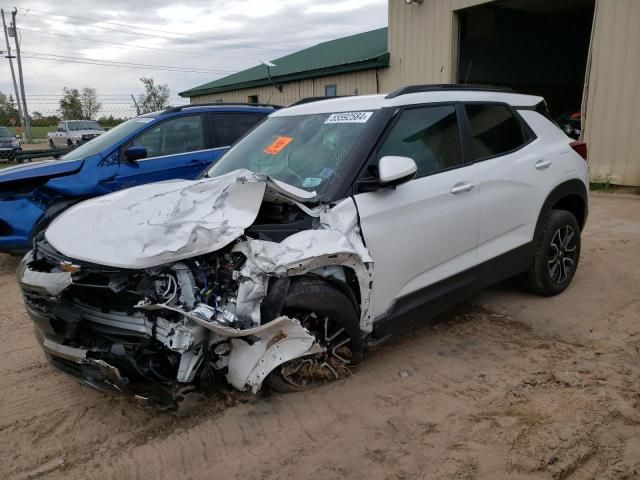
(230, 104)
(316, 99)
(446, 86)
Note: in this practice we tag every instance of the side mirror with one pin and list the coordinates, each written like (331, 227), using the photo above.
(394, 170)
(135, 153)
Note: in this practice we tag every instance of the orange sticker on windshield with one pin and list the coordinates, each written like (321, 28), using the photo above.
(278, 145)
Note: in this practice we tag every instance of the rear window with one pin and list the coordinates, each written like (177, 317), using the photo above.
(495, 130)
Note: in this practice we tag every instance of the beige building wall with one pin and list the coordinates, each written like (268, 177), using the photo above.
(422, 42)
(363, 83)
(423, 47)
(612, 129)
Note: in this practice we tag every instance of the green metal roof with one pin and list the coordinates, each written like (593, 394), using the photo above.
(357, 52)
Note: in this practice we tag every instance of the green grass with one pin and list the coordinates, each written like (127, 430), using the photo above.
(39, 132)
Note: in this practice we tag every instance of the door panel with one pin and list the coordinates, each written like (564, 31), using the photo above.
(419, 233)
(513, 186)
(425, 230)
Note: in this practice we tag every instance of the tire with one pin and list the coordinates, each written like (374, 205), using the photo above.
(319, 301)
(557, 253)
(52, 145)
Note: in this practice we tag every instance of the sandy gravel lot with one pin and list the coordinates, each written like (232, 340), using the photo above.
(511, 387)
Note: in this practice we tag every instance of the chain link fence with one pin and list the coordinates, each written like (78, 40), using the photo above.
(51, 137)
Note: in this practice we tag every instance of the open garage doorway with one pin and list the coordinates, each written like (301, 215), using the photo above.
(534, 46)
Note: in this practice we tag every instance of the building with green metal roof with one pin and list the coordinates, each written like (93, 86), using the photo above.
(344, 66)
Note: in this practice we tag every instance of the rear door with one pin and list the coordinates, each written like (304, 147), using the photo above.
(513, 174)
(426, 230)
(176, 148)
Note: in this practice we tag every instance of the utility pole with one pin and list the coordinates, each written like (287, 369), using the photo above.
(136, 104)
(13, 73)
(27, 120)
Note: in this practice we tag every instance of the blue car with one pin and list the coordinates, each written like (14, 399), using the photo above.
(174, 143)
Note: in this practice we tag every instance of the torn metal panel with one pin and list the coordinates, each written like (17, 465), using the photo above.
(250, 363)
(159, 223)
(43, 282)
(338, 242)
(165, 222)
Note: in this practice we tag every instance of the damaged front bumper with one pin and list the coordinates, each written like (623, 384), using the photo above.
(154, 352)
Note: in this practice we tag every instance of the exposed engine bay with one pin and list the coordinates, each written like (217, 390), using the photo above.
(176, 331)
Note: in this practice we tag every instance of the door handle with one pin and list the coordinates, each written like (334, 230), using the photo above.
(196, 162)
(461, 187)
(542, 164)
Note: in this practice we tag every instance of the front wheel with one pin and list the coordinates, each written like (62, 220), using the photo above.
(331, 317)
(557, 253)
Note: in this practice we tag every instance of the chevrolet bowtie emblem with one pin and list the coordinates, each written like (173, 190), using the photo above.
(69, 267)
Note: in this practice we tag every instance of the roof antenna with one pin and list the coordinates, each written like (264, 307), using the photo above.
(466, 78)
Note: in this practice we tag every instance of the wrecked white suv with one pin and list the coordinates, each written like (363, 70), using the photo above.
(331, 225)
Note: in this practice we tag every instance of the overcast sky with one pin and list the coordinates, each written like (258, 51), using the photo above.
(215, 37)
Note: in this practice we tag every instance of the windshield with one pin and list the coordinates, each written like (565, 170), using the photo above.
(4, 132)
(111, 137)
(305, 151)
(73, 126)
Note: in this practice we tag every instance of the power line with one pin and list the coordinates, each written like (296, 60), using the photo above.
(139, 47)
(92, 22)
(108, 63)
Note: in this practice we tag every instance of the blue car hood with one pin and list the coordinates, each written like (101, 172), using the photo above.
(46, 169)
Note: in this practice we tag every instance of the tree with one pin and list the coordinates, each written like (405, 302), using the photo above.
(90, 104)
(71, 104)
(155, 97)
(8, 110)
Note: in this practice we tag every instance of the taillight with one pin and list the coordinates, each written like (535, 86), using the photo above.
(580, 148)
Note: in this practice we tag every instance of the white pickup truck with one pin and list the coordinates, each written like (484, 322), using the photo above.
(71, 133)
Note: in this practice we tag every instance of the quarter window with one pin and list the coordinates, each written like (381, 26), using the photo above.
(494, 130)
(172, 137)
(229, 127)
(428, 135)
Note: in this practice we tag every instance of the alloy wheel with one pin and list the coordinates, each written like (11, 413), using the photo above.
(562, 254)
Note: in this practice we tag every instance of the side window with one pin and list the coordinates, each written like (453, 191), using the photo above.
(229, 127)
(62, 127)
(428, 135)
(494, 130)
(180, 135)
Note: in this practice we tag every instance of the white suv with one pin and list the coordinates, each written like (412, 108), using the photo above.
(332, 224)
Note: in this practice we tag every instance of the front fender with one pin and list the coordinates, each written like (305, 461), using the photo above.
(88, 182)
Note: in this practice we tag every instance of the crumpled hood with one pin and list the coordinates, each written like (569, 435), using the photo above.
(165, 222)
(49, 168)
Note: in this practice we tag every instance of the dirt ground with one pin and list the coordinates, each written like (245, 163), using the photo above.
(512, 387)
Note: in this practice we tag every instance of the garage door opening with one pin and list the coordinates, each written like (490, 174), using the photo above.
(534, 46)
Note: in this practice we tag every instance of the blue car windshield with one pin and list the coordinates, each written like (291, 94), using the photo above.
(107, 139)
(305, 151)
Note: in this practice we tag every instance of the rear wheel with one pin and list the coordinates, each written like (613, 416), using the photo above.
(557, 254)
(331, 317)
